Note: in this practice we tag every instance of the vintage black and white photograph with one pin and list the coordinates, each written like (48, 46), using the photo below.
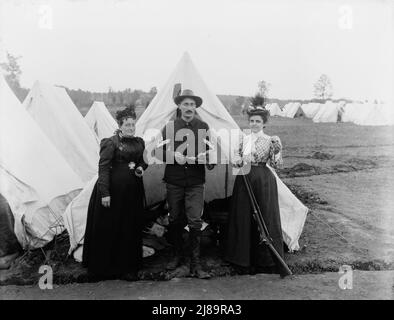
(196, 151)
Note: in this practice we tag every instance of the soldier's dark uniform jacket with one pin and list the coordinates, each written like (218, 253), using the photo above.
(189, 173)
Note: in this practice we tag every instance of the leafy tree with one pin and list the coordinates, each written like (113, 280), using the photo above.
(153, 91)
(323, 87)
(12, 75)
(263, 88)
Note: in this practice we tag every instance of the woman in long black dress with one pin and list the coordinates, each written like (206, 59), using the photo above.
(113, 236)
(257, 149)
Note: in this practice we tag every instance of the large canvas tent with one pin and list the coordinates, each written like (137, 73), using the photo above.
(58, 117)
(219, 182)
(36, 181)
(100, 121)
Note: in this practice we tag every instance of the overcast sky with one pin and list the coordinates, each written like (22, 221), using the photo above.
(234, 43)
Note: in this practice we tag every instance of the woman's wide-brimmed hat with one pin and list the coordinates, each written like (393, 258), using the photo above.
(187, 93)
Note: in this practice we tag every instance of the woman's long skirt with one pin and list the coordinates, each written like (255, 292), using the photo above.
(113, 236)
(242, 247)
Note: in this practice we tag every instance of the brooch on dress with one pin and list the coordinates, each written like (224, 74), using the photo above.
(131, 165)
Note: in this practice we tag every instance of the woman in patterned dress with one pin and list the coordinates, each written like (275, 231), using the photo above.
(256, 150)
(113, 236)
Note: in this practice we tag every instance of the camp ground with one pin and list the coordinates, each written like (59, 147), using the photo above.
(49, 203)
(86, 89)
(219, 181)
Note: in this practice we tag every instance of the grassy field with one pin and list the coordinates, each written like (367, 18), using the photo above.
(344, 173)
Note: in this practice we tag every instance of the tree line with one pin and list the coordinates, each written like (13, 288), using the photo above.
(322, 90)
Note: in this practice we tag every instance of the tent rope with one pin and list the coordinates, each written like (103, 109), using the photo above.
(334, 230)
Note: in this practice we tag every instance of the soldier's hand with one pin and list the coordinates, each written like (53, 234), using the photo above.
(179, 157)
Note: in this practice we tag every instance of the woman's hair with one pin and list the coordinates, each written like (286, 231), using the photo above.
(124, 114)
(257, 108)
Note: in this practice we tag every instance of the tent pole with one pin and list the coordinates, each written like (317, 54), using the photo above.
(226, 182)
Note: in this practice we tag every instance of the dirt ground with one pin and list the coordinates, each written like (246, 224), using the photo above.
(343, 172)
(365, 285)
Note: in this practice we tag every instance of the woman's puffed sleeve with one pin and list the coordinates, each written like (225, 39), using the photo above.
(276, 144)
(275, 156)
(107, 149)
(141, 161)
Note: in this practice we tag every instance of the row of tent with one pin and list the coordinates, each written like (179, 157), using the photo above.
(373, 114)
(49, 156)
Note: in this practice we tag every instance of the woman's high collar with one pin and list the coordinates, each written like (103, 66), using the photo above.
(122, 136)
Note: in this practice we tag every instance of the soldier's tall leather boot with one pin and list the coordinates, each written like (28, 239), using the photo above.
(195, 265)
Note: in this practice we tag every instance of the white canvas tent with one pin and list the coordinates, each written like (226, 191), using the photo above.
(274, 110)
(35, 179)
(354, 111)
(219, 182)
(311, 109)
(293, 110)
(59, 118)
(377, 115)
(100, 121)
(328, 112)
(369, 114)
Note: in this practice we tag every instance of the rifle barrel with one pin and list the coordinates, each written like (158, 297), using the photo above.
(266, 238)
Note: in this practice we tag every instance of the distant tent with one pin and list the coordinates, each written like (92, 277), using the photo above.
(293, 110)
(274, 110)
(59, 118)
(100, 121)
(311, 109)
(352, 112)
(35, 179)
(369, 114)
(328, 112)
(219, 182)
(378, 115)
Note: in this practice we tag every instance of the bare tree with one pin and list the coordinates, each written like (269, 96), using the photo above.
(323, 87)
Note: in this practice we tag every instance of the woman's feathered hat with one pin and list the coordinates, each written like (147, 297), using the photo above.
(257, 106)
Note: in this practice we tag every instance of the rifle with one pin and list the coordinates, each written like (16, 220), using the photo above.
(262, 227)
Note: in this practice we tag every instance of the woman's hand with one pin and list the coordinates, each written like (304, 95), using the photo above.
(106, 202)
(276, 144)
(237, 163)
(139, 172)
